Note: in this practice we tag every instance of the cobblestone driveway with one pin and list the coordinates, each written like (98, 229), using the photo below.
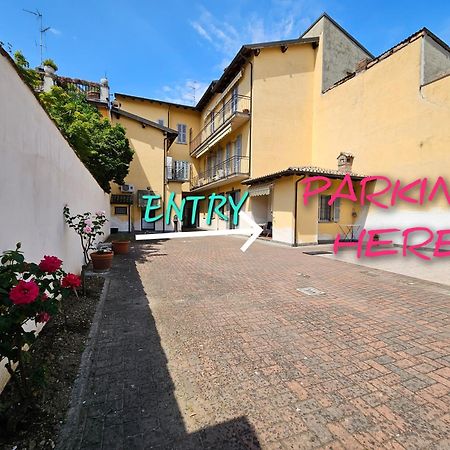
(246, 360)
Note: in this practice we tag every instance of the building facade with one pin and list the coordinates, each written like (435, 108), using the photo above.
(321, 104)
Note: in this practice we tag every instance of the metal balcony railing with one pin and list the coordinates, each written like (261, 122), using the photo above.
(178, 171)
(236, 165)
(238, 104)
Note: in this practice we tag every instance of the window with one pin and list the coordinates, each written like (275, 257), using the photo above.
(237, 154)
(329, 213)
(161, 122)
(181, 170)
(211, 123)
(120, 210)
(234, 100)
(182, 133)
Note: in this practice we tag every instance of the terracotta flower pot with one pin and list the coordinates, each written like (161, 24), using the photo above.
(102, 262)
(120, 247)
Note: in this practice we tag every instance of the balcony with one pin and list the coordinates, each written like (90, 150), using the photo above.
(231, 116)
(177, 170)
(236, 167)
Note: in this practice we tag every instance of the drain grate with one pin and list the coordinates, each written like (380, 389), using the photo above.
(318, 252)
(310, 291)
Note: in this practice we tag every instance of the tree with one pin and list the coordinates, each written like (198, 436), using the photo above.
(31, 76)
(103, 148)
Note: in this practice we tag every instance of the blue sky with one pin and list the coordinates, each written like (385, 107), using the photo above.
(162, 49)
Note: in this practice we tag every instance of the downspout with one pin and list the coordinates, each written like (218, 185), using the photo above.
(296, 209)
(251, 116)
(164, 183)
(251, 120)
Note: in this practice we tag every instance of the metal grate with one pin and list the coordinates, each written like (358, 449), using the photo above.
(310, 291)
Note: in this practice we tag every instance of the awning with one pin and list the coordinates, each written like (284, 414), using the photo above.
(257, 191)
(121, 199)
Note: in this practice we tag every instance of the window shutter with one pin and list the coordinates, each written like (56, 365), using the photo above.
(169, 167)
(337, 210)
(182, 133)
(185, 168)
(239, 146)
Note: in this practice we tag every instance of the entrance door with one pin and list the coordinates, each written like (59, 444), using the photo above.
(147, 226)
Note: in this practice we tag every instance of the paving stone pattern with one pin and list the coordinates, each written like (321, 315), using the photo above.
(203, 346)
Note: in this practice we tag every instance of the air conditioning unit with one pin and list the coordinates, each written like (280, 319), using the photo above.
(127, 188)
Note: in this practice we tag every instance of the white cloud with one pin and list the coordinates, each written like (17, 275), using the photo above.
(284, 19)
(201, 31)
(188, 92)
(55, 31)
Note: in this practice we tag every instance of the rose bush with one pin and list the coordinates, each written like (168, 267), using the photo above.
(28, 292)
(88, 226)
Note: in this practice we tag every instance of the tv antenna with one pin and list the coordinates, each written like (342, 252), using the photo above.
(42, 30)
(193, 85)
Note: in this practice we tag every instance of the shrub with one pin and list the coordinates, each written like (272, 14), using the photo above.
(88, 226)
(28, 291)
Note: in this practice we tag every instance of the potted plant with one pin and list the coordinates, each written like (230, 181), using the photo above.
(121, 247)
(89, 227)
(49, 66)
(102, 258)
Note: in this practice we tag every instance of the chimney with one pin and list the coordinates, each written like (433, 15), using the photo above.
(345, 162)
(362, 65)
(49, 78)
(104, 90)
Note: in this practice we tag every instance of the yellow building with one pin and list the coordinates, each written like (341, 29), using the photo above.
(321, 104)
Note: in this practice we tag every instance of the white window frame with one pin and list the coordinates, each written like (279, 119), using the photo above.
(329, 213)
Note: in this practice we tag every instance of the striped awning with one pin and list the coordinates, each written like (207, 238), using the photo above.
(259, 190)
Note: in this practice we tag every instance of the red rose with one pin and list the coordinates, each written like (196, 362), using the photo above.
(25, 292)
(71, 281)
(43, 317)
(50, 264)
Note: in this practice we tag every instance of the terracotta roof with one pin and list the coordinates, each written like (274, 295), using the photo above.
(154, 100)
(303, 170)
(172, 134)
(121, 199)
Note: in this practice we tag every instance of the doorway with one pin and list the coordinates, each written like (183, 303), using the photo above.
(147, 226)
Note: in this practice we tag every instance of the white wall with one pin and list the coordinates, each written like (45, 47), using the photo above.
(39, 174)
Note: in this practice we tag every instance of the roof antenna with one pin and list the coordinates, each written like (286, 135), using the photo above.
(42, 30)
(193, 85)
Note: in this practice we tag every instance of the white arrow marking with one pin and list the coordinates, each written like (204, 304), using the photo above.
(254, 231)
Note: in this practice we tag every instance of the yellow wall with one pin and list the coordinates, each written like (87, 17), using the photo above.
(393, 127)
(282, 108)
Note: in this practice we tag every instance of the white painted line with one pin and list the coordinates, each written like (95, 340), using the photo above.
(254, 231)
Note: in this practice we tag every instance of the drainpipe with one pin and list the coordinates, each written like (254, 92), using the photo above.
(296, 208)
(164, 183)
(251, 115)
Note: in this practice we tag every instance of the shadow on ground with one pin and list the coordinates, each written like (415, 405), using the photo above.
(128, 397)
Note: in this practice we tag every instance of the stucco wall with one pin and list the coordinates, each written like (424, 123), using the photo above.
(340, 53)
(40, 174)
(436, 60)
(393, 127)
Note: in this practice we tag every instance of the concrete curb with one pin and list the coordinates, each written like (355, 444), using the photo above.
(73, 414)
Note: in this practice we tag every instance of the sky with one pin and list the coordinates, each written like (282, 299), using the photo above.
(172, 49)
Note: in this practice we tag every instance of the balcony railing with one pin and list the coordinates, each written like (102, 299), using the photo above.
(236, 165)
(177, 170)
(237, 105)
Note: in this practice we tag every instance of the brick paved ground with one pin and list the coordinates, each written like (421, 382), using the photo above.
(231, 355)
